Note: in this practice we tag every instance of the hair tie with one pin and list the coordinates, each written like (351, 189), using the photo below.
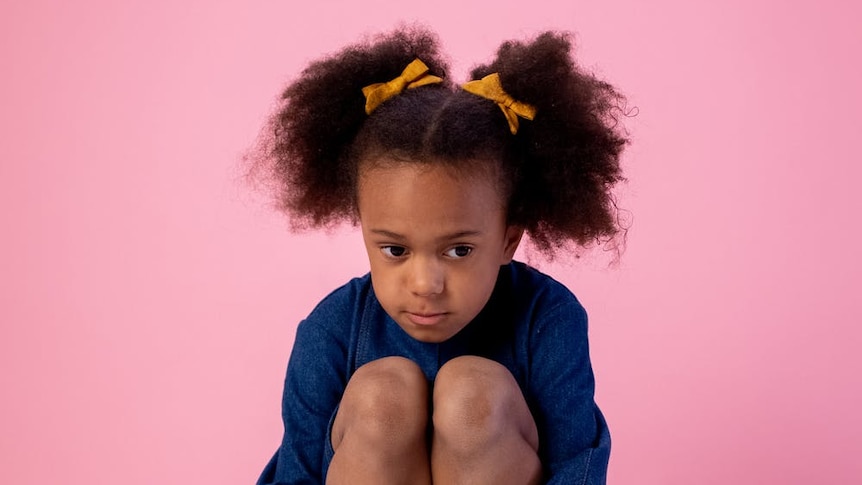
(413, 76)
(489, 87)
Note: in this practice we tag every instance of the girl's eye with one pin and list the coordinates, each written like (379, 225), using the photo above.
(459, 251)
(393, 251)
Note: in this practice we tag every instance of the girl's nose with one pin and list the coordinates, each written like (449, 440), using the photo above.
(427, 277)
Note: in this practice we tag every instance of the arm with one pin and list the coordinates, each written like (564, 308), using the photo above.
(313, 387)
(574, 439)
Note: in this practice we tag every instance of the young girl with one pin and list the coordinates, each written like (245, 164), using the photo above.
(449, 362)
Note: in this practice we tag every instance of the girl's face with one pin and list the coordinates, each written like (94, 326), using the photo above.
(436, 239)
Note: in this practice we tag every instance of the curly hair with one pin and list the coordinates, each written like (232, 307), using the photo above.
(557, 172)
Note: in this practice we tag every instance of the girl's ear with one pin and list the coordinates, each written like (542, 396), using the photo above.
(513, 238)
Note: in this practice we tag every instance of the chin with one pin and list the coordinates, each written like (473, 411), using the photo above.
(431, 335)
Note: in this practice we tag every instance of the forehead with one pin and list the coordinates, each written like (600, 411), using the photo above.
(406, 196)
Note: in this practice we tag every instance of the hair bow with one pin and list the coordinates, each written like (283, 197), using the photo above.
(413, 76)
(489, 87)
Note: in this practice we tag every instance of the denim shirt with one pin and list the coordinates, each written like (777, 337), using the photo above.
(532, 324)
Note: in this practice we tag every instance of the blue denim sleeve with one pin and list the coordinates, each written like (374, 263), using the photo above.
(574, 438)
(313, 387)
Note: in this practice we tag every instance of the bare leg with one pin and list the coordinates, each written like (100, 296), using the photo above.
(379, 432)
(483, 430)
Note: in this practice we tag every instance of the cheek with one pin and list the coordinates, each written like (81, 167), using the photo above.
(474, 286)
(384, 279)
(383, 289)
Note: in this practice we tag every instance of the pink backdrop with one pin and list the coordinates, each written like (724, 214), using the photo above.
(149, 300)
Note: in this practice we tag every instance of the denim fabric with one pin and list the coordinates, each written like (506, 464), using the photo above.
(532, 324)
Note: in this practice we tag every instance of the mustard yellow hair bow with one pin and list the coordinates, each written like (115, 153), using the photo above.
(413, 76)
(489, 87)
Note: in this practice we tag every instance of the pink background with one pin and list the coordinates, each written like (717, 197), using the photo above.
(148, 299)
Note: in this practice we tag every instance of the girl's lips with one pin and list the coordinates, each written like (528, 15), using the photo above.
(425, 319)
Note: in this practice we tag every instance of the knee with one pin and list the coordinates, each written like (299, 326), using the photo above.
(473, 402)
(384, 400)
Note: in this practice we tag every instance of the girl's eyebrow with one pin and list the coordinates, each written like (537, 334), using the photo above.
(461, 234)
(446, 237)
(388, 234)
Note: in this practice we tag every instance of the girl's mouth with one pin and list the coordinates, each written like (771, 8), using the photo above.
(425, 319)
